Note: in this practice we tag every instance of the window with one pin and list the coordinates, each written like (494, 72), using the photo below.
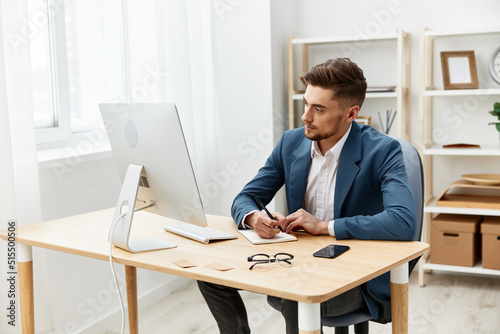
(41, 54)
(89, 52)
(77, 63)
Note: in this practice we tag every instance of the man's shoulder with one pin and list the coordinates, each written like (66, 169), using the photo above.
(294, 142)
(293, 136)
(372, 137)
(297, 132)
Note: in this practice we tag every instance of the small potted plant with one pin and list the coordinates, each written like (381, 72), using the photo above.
(496, 112)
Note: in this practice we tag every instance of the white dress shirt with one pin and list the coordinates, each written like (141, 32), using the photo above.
(320, 190)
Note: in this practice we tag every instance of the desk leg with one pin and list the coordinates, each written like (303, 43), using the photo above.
(27, 300)
(131, 279)
(399, 299)
(309, 318)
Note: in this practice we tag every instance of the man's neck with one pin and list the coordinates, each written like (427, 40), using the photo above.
(325, 145)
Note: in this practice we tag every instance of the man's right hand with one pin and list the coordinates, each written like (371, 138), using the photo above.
(264, 226)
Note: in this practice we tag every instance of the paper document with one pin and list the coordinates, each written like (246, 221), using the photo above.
(256, 240)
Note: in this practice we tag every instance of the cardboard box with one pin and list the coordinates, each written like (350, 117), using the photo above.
(490, 230)
(455, 239)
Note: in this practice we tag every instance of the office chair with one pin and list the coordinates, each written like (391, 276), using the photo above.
(413, 166)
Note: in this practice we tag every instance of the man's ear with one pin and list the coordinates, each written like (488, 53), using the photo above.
(353, 113)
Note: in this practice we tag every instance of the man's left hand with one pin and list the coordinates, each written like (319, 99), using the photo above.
(301, 219)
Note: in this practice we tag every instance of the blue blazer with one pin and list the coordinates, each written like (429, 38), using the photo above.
(373, 199)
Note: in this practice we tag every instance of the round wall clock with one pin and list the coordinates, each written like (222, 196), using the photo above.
(495, 65)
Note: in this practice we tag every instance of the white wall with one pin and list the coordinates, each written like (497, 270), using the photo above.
(78, 184)
(249, 47)
(282, 23)
(243, 89)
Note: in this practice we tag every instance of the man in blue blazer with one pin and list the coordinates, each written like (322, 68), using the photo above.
(341, 179)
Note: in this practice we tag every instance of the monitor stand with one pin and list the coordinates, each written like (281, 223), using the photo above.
(121, 233)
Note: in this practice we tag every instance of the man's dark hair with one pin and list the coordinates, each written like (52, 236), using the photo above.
(342, 76)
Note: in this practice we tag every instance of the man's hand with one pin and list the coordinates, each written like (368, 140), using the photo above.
(301, 219)
(264, 226)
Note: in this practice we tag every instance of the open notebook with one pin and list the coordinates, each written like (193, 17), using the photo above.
(256, 240)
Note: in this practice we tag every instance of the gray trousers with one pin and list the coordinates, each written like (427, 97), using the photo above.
(228, 309)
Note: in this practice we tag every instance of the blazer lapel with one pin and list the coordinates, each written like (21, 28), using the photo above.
(299, 171)
(348, 168)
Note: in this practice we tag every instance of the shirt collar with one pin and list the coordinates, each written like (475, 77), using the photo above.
(336, 149)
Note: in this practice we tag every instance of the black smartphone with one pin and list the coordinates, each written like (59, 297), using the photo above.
(331, 251)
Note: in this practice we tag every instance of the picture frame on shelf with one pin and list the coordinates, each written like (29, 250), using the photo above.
(459, 70)
(364, 120)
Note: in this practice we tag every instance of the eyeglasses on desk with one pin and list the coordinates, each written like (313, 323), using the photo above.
(265, 260)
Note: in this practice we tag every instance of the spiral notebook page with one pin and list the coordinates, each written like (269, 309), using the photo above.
(256, 240)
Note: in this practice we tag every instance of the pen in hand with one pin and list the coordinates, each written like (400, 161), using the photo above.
(262, 207)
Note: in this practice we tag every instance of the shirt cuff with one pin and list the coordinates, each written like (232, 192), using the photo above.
(331, 231)
(242, 222)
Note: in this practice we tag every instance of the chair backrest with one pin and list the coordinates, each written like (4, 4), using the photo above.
(414, 169)
(415, 172)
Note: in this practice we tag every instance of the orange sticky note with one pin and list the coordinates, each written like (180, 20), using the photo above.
(184, 264)
(218, 266)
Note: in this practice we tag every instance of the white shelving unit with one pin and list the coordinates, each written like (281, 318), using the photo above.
(476, 270)
(401, 38)
(429, 149)
(463, 92)
(485, 150)
(298, 97)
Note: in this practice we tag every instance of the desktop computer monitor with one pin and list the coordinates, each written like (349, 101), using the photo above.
(153, 163)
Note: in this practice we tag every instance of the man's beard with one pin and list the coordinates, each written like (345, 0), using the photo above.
(313, 137)
(317, 136)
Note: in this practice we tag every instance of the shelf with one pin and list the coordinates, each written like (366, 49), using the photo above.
(477, 269)
(368, 95)
(433, 208)
(462, 92)
(455, 202)
(464, 32)
(376, 95)
(485, 150)
(402, 65)
(324, 40)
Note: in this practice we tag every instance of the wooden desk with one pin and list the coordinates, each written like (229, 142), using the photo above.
(310, 281)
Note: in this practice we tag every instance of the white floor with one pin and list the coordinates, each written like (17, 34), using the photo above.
(447, 304)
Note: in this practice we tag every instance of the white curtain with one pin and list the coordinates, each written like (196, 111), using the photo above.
(185, 60)
(8, 193)
(204, 111)
(17, 113)
(20, 192)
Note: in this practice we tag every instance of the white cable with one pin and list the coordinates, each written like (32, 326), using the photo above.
(111, 230)
(113, 269)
